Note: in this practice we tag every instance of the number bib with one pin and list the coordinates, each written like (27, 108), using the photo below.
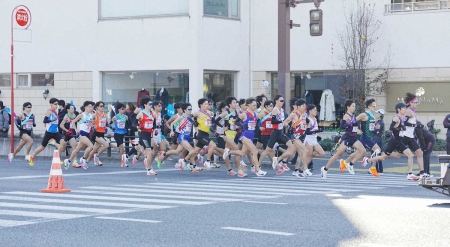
(208, 122)
(372, 126)
(401, 133)
(29, 125)
(121, 125)
(102, 122)
(280, 126)
(148, 125)
(232, 126)
(71, 125)
(355, 129)
(251, 125)
(269, 125)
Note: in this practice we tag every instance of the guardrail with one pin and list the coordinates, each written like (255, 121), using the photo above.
(416, 6)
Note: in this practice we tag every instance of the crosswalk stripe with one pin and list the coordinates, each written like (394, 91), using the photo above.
(250, 188)
(108, 204)
(344, 180)
(9, 223)
(153, 195)
(285, 184)
(128, 199)
(64, 208)
(149, 190)
(42, 214)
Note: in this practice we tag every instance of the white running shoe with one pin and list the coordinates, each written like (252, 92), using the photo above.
(27, 157)
(182, 164)
(216, 159)
(242, 174)
(10, 157)
(151, 172)
(207, 165)
(274, 163)
(225, 153)
(364, 162)
(83, 163)
(134, 159)
(260, 173)
(323, 172)
(96, 159)
(307, 172)
(298, 174)
(242, 163)
(199, 159)
(412, 177)
(66, 164)
(425, 176)
(349, 168)
(124, 161)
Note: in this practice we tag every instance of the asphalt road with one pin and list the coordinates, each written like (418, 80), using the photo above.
(114, 206)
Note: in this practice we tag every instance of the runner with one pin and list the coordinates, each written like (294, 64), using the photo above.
(100, 144)
(396, 143)
(146, 125)
(230, 115)
(51, 126)
(265, 119)
(249, 124)
(315, 150)
(25, 123)
(120, 129)
(68, 129)
(83, 132)
(349, 139)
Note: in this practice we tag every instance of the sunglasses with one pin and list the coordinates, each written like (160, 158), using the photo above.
(101, 106)
(281, 100)
(29, 107)
(416, 101)
(55, 103)
(149, 104)
(123, 109)
(189, 109)
(210, 104)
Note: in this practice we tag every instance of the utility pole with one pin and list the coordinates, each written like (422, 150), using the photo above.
(284, 46)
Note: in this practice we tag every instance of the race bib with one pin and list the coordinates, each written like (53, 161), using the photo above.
(148, 125)
(302, 126)
(372, 126)
(401, 133)
(208, 122)
(121, 125)
(232, 126)
(29, 125)
(269, 125)
(251, 125)
(280, 126)
(71, 125)
(102, 122)
(355, 129)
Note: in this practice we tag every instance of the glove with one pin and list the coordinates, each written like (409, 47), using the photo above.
(307, 120)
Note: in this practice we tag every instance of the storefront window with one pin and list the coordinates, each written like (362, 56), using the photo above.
(113, 9)
(166, 86)
(217, 85)
(45, 79)
(5, 80)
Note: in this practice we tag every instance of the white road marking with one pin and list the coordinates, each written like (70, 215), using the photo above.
(64, 208)
(128, 219)
(9, 223)
(42, 214)
(275, 203)
(258, 231)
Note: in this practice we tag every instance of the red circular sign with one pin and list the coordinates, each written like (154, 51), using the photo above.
(22, 17)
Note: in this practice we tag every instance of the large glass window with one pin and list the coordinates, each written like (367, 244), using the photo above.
(22, 80)
(47, 79)
(167, 86)
(222, 8)
(5, 80)
(218, 85)
(112, 9)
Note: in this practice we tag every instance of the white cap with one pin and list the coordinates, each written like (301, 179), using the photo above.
(381, 111)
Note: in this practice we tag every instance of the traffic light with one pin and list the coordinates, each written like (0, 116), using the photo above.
(315, 22)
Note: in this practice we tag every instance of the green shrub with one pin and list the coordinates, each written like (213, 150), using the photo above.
(326, 144)
(440, 145)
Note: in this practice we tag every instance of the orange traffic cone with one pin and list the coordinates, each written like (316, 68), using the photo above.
(56, 180)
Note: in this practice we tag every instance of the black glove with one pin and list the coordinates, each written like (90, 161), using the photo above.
(195, 122)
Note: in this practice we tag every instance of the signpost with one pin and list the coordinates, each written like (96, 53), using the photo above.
(20, 15)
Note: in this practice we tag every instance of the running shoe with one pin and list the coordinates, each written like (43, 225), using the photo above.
(182, 164)
(285, 167)
(307, 172)
(193, 168)
(280, 171)
(242, 174)
(160, 155)
(134, 160)
(75, 164)
(225, 153)
(207, 165)
(231, 173)
(275, 163)
(83, 164)
(52, 142)
(342, 165)
(373, 171)
(151, 172)
(31, 161)
(260, 173)
(199, 159)
(10, 157)
(96, 160)
(215, 165)
(124, 161)
(204, 150)
(66, 164)
(364, 162)
(99, 163)
(411, 176)
(242, 163)
(425, 176)
(323, 172)
(298, 174)
(349, 168)
(27, 157)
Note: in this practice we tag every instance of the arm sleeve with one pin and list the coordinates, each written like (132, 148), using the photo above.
(391, 128)
(344, 124)
(275, 120)
(218, 122)
(47, 119)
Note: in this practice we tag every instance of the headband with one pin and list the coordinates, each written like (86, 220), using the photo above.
(413, 100)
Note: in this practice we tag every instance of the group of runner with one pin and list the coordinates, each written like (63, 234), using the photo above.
(254, 127)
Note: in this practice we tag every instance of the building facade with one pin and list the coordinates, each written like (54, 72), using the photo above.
(182, 50)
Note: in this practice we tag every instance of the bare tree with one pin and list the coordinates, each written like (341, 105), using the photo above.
(363, 77)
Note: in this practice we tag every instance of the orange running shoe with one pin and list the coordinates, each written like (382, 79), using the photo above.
(373, 171)
(342, 165)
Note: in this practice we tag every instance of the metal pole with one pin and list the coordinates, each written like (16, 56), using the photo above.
(12, 81)
(284, 58)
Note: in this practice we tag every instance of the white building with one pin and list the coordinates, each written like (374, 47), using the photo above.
(109, 50)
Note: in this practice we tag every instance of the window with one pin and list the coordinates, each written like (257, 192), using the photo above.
(218, 85)
(126, 86)
(114, 9)
(22, 81)
(5, 80)
(222, 8)
(45, 79)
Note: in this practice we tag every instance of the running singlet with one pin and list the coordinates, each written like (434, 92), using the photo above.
(52, 127)
(69, 126)
(249, 126)
(146, 123)
(27, 122)
(175, 126)
(86, 122)
(100, 122)
(399, 132)
(185, 126)
(409, 132)
(266, 123)
(120, 124)
(351, 126)
(314, 126)
(280, 117)
(204, 121)
(367, 127)
(300, 125)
